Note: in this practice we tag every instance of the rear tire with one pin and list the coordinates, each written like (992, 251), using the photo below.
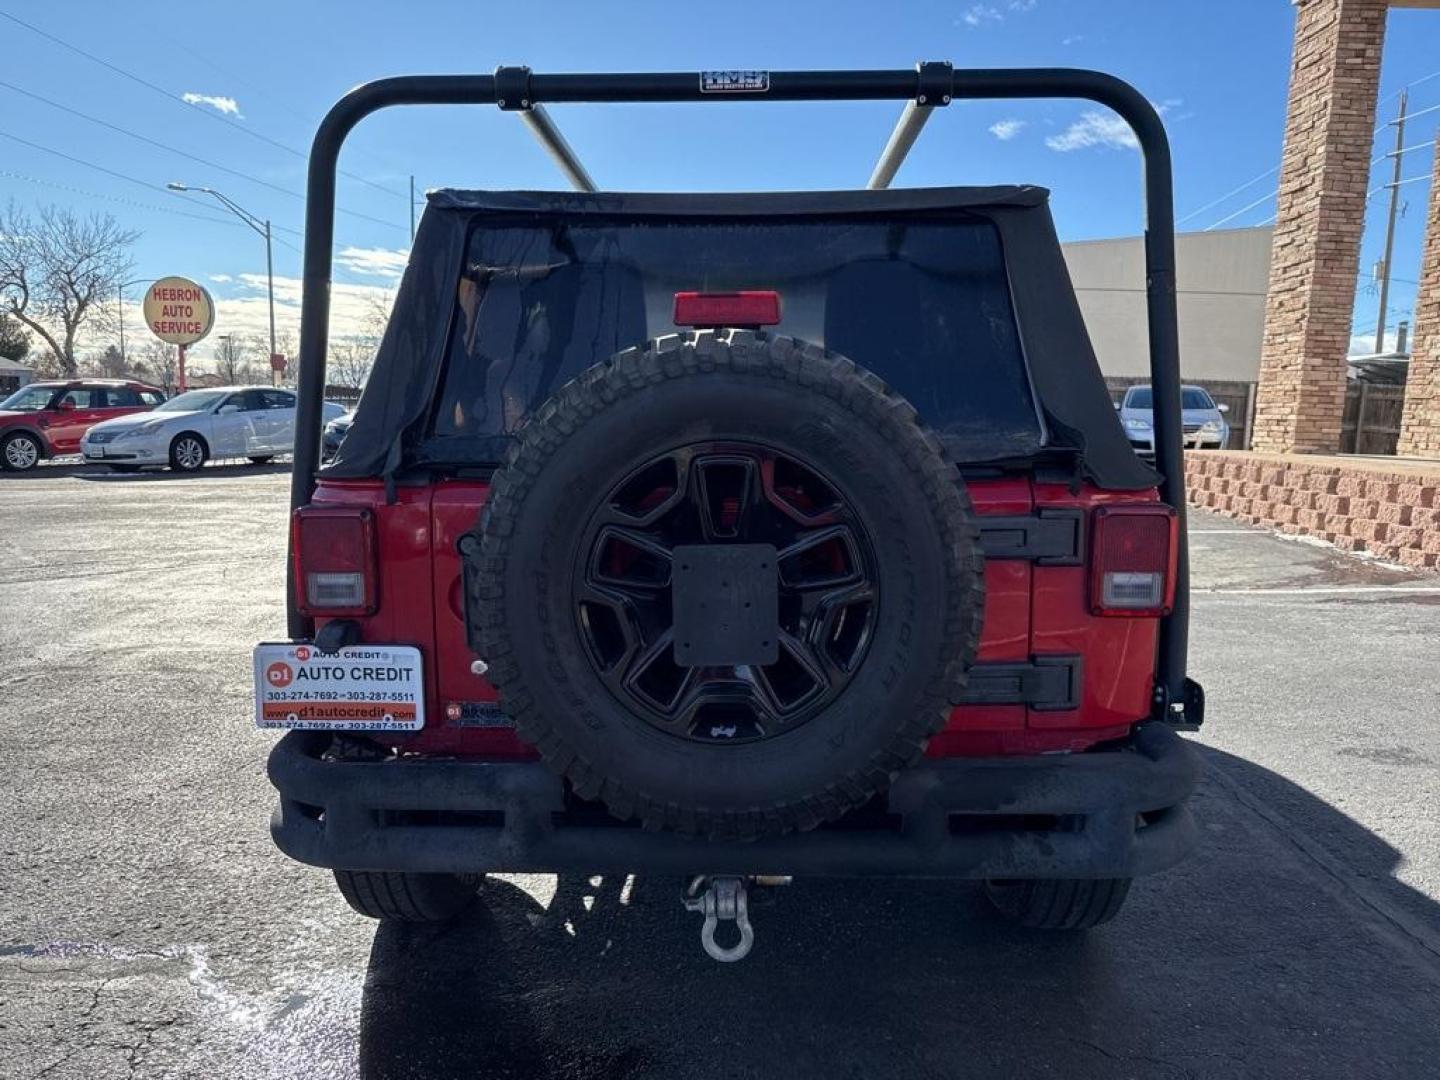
(714, 395)
(1063, 904)
(416, 898)
(188, 452)
(21, 452)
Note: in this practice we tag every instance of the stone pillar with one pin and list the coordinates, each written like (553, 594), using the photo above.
(1420, 423)
(1320, 215)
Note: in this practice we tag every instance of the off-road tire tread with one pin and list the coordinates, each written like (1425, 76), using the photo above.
(1061, 904)
(809, 369)
(417, 898)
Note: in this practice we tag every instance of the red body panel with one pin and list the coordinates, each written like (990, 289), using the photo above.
(1118, 654)
(1030, 610)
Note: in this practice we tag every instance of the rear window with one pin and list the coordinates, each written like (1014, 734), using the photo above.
(923, 303)
(1191, 397)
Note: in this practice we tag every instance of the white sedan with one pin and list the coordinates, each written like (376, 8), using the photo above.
(256, 422)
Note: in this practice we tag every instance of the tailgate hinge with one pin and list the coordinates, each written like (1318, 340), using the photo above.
(1049, 537)
(1044, 683)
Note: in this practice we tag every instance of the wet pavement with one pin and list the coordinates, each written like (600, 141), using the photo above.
(148, 928)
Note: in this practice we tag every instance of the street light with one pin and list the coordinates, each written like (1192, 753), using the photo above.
(260, 226)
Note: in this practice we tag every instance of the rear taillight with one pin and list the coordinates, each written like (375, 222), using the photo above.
(335, 565)
(1133, 554)
(753, 308)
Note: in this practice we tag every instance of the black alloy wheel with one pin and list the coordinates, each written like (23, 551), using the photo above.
(726, 591)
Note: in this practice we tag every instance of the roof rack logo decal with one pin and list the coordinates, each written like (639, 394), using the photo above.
(734, 82)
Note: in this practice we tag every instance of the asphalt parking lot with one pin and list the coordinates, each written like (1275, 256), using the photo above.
(148, 928)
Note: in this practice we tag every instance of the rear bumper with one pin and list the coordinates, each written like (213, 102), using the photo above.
(1116, 813)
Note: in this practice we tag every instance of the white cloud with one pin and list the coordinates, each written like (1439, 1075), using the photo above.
(221, 279)
(1364, 344)
(384, 263)
(1094, 129)
(1104, 130)
(1007, 129)
(980, 14)
(226, 105)
(1073, 39)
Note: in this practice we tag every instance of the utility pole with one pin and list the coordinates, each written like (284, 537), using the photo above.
(1394, 185)
(275, 371)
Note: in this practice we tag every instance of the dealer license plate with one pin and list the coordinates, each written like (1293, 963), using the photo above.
(359, 688)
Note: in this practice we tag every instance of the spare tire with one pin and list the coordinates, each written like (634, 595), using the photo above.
(727, 584)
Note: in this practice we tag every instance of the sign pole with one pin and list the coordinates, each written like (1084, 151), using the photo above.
(180, 367)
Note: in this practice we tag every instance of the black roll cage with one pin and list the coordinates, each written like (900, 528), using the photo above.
(928, 86)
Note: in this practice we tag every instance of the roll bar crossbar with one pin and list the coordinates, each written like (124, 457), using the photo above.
(930, 85)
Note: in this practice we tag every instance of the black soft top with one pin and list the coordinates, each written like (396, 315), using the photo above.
(1079, 418)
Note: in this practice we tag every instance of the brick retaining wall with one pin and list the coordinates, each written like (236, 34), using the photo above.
(1389, 509)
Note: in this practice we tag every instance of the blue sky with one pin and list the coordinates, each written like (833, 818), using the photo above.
(270, 69)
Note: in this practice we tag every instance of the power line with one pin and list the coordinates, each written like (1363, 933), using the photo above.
(1272, 171)
(120, 199)
(1229, 194)
(185, 154)
(151, 142)
(1368, 195)
(169, 96)
(1409, 85)
(147, 185)
(262, 92)
(1243, 209)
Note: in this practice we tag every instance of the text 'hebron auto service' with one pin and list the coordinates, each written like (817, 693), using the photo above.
(178, 311)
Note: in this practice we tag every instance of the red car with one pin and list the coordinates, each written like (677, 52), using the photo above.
(48, 419)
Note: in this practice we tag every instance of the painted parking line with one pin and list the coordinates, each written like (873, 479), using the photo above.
(1334, 590)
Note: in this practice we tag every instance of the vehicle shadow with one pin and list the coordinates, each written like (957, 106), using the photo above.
(47, 470)
(1285, 947)
(220, 468)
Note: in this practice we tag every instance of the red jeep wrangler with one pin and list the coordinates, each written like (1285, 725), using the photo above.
(736, 536)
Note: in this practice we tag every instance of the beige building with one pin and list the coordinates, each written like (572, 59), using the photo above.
(1221, 279)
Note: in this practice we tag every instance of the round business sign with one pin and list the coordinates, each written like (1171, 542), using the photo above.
(179, 311)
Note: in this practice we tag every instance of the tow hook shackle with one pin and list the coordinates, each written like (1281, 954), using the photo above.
(721, 899)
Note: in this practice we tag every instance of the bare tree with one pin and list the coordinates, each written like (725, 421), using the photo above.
(232, 360)
(60, 270)
(109, 364)
(259, 347)
(160, 363)
(351, 358)
(350, 363)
